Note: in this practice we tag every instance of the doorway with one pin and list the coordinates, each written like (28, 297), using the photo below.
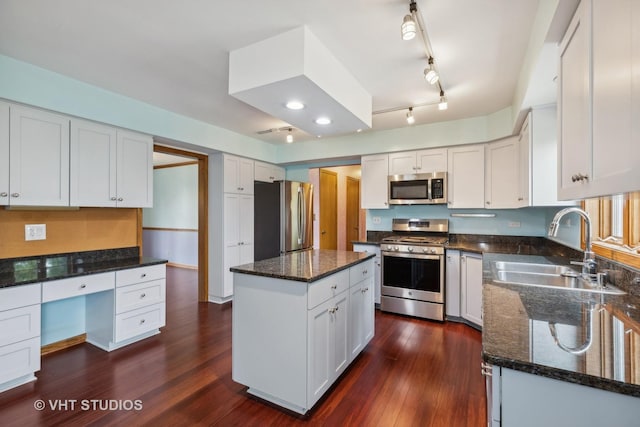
(348, 181)
(328, 209)
(201, 160)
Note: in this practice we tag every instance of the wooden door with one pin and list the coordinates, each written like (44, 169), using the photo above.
(353, 212)
(328, 209)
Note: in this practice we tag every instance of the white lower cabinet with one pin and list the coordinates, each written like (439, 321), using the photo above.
(522, 399)
(377, 266)
(19, 335)
(136, 310)
(471, 287)
(452, 284)
(328, 341)
(305, 336)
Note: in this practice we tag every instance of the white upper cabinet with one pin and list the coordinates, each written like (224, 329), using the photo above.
(422, 161)
(502, 179)
(93, 164)
(266, 172)
(110, 167)
(39, 158)
(599, 101)
(524, 167)
(135, 170)
(466, 177)
(4, 154)
(374, 184)
(238, 175)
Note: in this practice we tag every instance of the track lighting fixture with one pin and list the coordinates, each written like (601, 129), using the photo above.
(410, 119)
(409, 25)
(412, 24)
(290, 136)
(430, 73)
(442, 105)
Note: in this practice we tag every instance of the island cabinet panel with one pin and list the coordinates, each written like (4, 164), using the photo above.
(293, 339)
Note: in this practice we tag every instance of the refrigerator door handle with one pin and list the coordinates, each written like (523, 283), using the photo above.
(300, 214)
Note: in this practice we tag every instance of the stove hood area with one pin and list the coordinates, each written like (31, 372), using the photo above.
(296, 66)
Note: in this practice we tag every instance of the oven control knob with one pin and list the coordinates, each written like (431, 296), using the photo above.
(396, 249)
(425, 250)
(433, 251)
(410, 248)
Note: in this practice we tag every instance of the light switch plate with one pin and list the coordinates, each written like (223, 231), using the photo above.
(514, 224)
(376, 220)
(35, 232)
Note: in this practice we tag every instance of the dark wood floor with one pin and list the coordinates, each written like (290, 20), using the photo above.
(413, 373)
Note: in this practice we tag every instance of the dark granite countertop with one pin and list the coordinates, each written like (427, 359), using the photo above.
(305, 266)
(516, 331)
(25, 270)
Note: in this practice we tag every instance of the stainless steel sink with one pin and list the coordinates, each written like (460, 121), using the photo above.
(547, 276)
(524, 267)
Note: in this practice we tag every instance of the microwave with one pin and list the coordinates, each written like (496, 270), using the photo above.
(418, 189)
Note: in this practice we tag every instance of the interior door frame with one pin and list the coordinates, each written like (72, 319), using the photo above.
(349, 179)
(335, 195)
(203, 215)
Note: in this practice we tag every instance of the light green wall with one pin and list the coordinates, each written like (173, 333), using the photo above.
(175, 198)
(26, 83)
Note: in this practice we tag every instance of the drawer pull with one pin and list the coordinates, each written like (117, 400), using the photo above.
(4, 194)
(365, 271)
(15, 194)
(334, 286)
(113, 199)
(141, 321)
(83, 286)
(143, 275)
(143, 295)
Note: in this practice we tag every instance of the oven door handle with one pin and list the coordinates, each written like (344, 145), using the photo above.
(411, 255)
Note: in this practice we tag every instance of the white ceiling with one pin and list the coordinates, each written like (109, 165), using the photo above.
(174, 54)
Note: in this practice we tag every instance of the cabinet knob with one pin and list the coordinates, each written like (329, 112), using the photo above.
(334, 286)
(113, 199)
(579, 177)
(15, 194)
(4, 194)
(120, 199)
(83, 286)
(520, 199)
(143, 295)
(488, 202)
(142, 321)
(143, 275)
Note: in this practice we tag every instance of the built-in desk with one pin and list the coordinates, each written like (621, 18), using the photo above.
(124, 302)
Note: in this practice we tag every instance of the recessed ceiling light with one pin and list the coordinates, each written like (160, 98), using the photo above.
(295, 105)
(323, 121)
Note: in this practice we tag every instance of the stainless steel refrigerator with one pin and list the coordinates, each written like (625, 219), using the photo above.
(283, 218)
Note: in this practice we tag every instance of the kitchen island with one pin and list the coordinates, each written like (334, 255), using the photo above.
(299, 320)
(559, 356)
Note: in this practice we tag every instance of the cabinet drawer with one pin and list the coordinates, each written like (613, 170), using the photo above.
(362, 271)
(326, 288)
(19, 296)
(19, 324)
(136, 322)
(76, 286)
(19, 359)
(139, 295)
(141, 274)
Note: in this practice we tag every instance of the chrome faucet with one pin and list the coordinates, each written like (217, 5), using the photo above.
(588, 263)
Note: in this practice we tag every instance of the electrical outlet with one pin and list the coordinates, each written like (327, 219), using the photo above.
(376, 220)
(514, 224)
(35, 232)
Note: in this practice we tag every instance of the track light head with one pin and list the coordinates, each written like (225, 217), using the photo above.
(410, 119)
(408, 28)
(442, 105)
(430, 73)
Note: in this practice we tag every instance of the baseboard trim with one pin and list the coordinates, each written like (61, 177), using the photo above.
(61, 345)
(187, 266)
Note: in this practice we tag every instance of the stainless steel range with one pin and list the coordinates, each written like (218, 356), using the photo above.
(413, 278)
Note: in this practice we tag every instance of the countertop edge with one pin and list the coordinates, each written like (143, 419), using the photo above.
(562, 375)
(299, 278)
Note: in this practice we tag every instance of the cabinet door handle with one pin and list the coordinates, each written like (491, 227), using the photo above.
(83, 286)
(113, 199)
(334, 286)
(143, 275)
(120, 199)
(520, 199)
(4, 194)
(15, 194)
(143, 295)
(141, 321)
(488, 202)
